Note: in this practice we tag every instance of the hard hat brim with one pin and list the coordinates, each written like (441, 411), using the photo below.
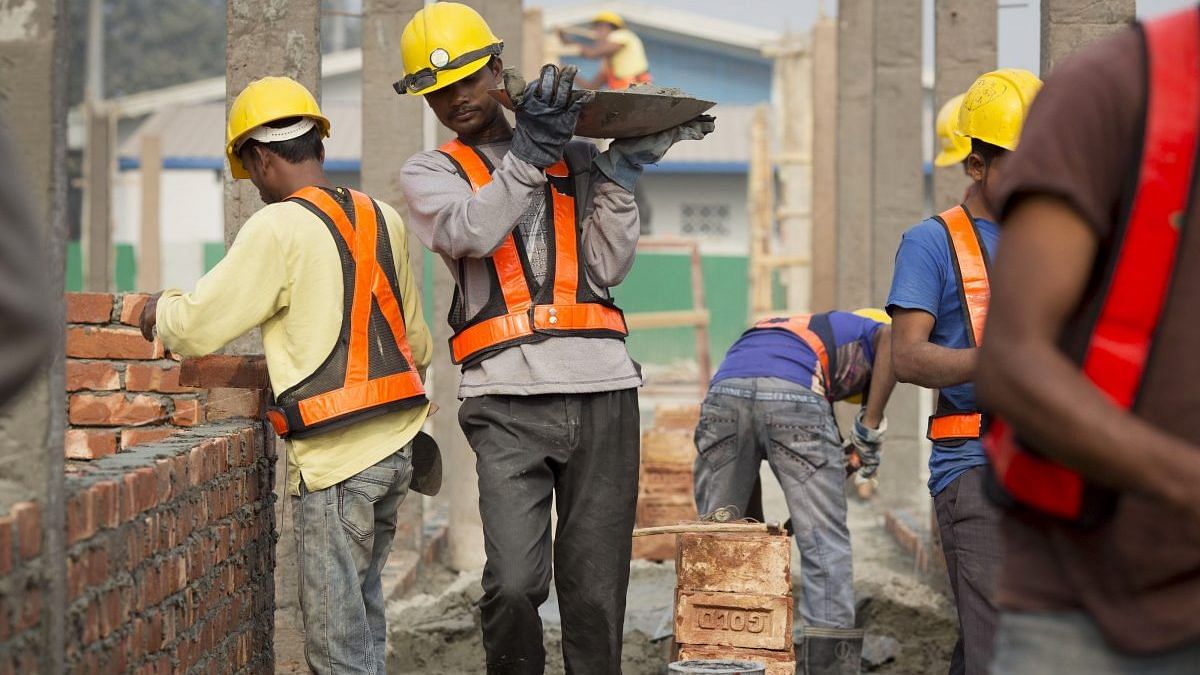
(947, 158)
(237, 170)
(445, 78)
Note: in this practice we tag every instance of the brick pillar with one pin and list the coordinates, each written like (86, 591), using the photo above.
(965, 48)
(825, 165)
(1069, 24)
(392, 131)
(33, 84)
(855, 129)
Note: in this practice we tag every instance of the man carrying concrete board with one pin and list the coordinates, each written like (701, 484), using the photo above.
(324, 272)
(535, 229)
(772, 399)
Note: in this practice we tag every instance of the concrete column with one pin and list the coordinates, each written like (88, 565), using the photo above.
(855, 129)
(391, 131)
(149, 266)
(33, 82)
(99, 165)
(964, 49)
(898, 203)
(825, 165)
(1069, 24)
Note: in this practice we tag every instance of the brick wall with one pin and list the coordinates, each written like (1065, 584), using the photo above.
(123, 390)
(22, 586)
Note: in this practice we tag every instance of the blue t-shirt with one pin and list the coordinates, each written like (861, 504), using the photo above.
(925, 279)
(781, 353)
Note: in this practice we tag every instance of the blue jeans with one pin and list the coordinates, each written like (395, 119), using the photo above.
(1069, 642)
(744, 421)
(343, 537)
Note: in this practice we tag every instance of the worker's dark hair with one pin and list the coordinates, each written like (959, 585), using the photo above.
(987, 151)
(295, 150)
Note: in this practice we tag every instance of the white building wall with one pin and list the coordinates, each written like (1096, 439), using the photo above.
(709, 206)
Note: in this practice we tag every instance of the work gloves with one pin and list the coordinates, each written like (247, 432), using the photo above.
(625, 157)
(866, 442)
(546, 112)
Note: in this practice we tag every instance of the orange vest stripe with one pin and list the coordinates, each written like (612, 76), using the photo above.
(360, 396)
(566, 262)
(955, 426)
(975, 290)
(486, 333)
(799, 326)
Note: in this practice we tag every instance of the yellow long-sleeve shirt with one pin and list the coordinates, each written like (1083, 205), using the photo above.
(283, 273)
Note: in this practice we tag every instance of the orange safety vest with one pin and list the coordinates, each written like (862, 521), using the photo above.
(615, 83)
(370, 369)
(948, 425)
(564, 305)
(815, 331)
(1137, 284)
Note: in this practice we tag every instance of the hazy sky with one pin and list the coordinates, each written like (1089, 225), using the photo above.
(1018, 21)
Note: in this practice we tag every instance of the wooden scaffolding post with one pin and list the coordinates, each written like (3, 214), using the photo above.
(761, 194)
(149, 264)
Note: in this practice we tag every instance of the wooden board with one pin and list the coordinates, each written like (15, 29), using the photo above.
(668, 447)
(735, 563)
(733, 620)
(677, 417)
(627, 114)
(777, 662)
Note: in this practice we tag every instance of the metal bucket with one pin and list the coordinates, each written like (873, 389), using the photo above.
(717, 667)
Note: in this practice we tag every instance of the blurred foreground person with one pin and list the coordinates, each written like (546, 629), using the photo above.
(324, 271)
(772, 399)
(1092, 363)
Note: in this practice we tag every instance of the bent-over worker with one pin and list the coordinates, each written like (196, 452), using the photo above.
(620, 51)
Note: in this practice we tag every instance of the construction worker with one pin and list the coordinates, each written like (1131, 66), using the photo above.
(1091, 363)
(771, 400)
(620, 52)
(324, 272)
(535, 229)
(938, 302)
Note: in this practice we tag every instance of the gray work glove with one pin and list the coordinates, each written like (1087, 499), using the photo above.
(866, 442)
(625, 157)
(546, 113)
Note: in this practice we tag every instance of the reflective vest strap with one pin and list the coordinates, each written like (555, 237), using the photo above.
(321, 199)
(470, 161)
(389, 305)
(798, 326)
(582, 316)
(1116, 354)
(955, 426)
(974, 289)
(360, 396)
(566, 250)
(487, 333)
(1032, 480)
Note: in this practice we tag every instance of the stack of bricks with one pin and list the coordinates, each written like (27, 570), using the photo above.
(123, 390)
(665, 494)
(170, 556)
(733, 599)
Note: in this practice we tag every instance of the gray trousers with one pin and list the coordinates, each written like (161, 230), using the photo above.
(581, 450)
(1069, 642)
(343, 537)
(747, 420)
(969, 524)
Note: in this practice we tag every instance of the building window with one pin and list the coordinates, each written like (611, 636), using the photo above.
(704, 220)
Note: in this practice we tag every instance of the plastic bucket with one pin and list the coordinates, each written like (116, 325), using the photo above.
(717, 667)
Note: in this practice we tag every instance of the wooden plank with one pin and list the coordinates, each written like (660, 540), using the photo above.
(777, 662)
(668, 447)
(684, 318)
(668, 417)
(149, 265)
(735, 563)
(733, 620)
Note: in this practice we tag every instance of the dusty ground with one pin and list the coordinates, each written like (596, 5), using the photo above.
(435, 629)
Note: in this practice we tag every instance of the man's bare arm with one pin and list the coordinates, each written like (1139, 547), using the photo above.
(1045, 259)
(918, 361)
(601, 49)
(883, 379)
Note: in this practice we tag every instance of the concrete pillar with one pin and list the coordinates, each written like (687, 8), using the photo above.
(898, 202)
(855, 129)
(1069, 24)
(824, 173)
(149, 265)
(99, 165)
(964, 49)
(34, 46)
(266, 37)
(391, 131)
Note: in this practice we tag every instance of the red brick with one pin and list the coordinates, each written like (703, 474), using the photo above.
(31, 609)
(132, 437)
(224, 370)
(29, 528)
(7, 524)
(76, 576)
(115, 409)
(131, 308)
(188, 412)
(110, 343)
(226, 403)
(104, 497)
(92, 375)
(90, 443)
(733, 619)
(152, 377)
(145, 488)
(89, 307)
(97, 566)
(81, 517)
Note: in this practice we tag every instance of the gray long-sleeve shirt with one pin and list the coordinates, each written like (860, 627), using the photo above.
(464, 226)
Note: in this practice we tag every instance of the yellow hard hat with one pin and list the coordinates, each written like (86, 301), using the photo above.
(443, 43)
(995, 106)
(263, 101)
(609, 17)
(955, 147)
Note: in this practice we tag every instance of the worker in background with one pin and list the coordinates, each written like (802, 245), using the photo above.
(324, 272)
(620, 52)
(535, 228)
(772, 399)
(955, 147)
(1091, 363)
(938, 302)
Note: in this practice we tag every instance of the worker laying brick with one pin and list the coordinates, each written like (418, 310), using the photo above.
(620, 52)
(1091, 363)
(324, 272)
(771, 400)
(535, 228)
(938, 301)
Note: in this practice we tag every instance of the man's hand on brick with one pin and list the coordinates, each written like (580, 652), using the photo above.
(149, 316)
